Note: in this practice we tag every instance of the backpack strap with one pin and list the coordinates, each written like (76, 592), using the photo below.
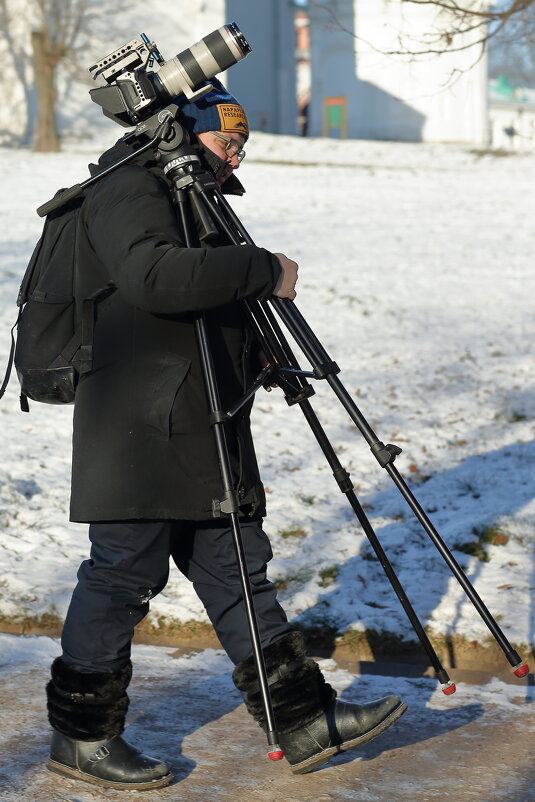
(11, 355)
(81, 343)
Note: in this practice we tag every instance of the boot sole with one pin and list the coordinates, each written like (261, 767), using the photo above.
(71, 773)
(318, 759)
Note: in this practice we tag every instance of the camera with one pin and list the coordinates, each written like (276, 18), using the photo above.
(133, 92)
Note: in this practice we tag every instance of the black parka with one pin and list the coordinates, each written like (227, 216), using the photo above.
(143, 447)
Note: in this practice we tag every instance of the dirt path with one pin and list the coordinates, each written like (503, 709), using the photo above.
(477, 745)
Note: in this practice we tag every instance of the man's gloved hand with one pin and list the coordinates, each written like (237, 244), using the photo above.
(284, 287)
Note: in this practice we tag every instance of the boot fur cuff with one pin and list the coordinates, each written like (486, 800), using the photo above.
(299, 692)
(103, 685)
(87, 706)
(289, 649)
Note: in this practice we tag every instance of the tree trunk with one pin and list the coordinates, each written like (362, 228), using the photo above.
(45, 61)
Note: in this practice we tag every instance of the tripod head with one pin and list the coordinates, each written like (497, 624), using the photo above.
(162, 132)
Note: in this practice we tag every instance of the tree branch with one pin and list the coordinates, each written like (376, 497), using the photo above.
(454, 23)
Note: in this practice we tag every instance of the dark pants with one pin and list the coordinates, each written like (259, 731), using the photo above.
(129, 564)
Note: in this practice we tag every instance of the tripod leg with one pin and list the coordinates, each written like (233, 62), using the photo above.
(270, 335)
(344, 482)
(229, 502)
(343, 479)
(230, 506)
(385, 455)
(325, 368)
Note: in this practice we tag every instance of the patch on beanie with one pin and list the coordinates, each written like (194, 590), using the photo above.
(232, 119)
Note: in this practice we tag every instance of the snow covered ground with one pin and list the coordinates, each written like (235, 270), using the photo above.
(416, 274)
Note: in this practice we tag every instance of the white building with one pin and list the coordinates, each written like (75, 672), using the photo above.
(380, 96)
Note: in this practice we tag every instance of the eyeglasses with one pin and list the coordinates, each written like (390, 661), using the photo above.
(232, 148)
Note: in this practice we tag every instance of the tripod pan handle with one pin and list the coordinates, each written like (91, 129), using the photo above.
(58, 200)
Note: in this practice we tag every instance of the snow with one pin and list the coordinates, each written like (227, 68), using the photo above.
(416, 275)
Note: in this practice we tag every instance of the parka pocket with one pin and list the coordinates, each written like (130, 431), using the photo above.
(167, 385)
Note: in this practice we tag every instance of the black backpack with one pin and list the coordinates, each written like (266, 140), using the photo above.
(54, 339)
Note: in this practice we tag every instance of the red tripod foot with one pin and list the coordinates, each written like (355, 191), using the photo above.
(276, 753)
(521, 670)
(449, 688)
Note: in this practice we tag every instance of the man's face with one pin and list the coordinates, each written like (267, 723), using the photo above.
(218, 142)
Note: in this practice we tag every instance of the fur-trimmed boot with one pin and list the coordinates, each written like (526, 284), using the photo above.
(87, 712)
(312, 725)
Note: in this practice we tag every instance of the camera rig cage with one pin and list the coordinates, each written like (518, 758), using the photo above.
(133, 91)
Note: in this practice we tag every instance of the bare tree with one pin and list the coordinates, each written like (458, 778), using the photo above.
(59, 23)
(459, 25)
(54, 28)
(475, 23)
(18, 55)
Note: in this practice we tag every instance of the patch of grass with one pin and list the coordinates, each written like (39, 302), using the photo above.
(161, 630)
(514, 416)
(308, 499)
(48, 623)
(284, 582)
(353, 639)
(489, 535)
(417, 477)
(466, 487)
(511, 416)
(467, 357)
(328, 576)
(294, 532)
(191, 627)
(492, 534)
(474, 548)
(498, 153)
(378, 643)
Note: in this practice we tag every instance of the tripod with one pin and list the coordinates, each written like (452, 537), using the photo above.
(196, 192)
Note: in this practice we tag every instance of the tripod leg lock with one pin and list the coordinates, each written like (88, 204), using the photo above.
(325, 369)
(228, 505)
(218, 417)
(295, 397)
(344, 480)
(385, 454)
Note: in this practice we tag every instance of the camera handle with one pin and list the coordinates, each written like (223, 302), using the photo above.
(158, 127)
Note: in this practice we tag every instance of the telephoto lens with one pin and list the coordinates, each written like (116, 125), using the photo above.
(132, 93)
(216, 52)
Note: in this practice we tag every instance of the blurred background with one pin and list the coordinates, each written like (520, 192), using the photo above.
(401, 70)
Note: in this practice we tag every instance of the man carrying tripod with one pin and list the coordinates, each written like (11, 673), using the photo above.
(146, 474)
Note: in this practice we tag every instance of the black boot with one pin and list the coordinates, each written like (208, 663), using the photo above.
(312, 725)
(87, 712)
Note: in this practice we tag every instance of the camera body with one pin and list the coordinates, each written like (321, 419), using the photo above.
(134, 92)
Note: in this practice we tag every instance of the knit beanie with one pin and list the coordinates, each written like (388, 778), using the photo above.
(218, 110)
